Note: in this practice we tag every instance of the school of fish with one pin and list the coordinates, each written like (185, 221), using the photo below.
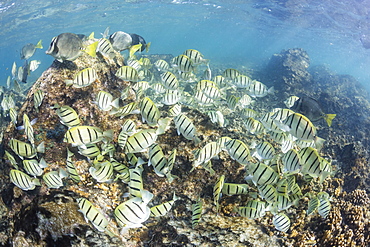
(283, 158)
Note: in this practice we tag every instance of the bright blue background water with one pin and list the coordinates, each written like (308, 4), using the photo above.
(243, 33)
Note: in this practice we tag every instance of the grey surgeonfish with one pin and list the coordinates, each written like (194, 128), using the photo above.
(29, 49)
(312, 109)
(120, 40)
(68, 46)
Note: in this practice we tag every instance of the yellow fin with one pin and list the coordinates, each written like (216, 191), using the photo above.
(329, 118)
(91, 49)
(147, 46)
(39, 45)
(134, 49)
(91, 36)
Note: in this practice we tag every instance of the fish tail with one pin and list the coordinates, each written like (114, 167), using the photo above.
(39, 44)
(147, 46)
(91, 49)
(329, 118)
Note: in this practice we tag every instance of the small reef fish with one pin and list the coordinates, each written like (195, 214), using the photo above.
(132, 213)
(120, 41)
(34, 64)
(105, 102)
(209, 151)
(25, 150)
(14, 70)
(169, 81)
(231, 74)
(71, 169)
(53, 179)
(281, 222)
(33, 167)
(102, 172)
(238, 150)
(105, 48)
(38, 97)
(67, 115)
(290, 101)
(234, 189)
(29, 49)
(312, 110)
(135, 184)
(68, 47)
(140, 141)
(128, 73)
(195, 56)
(92, 214)
(264, 151)
(186, 127)
(183, 63)
(161, 65)
(261, 174)
(291, 161)
(149, 111)
(83, 78)
(164, 208)
(196, 209)
(242, 81)
(82, 135)
(23, 181)
(217, 189)
(258, 89)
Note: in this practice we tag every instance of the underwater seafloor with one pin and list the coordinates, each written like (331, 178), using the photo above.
(50, 217)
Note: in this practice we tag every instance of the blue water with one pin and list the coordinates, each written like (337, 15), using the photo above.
(235, 33)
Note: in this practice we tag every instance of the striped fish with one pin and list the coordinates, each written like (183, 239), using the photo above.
(127, 73)
(209, 151)
(202, 99)
(238, 151)
(161, 65)
(71, 169)
(136, 182)
(258, 89)
(122, 138)
(183, 63)
(282, 202)
(230, 74)
(133, 160)
(262, 174)
(324, 207)
(11, 159)
(291, 161)
(286, 145)
(216, 117)
(245, 100)
(311, 162)
(145, 63)
(83, 78)
(248, 212)
(53, 179)
(102, 172)
(254, 126)
(90, 150)
(82, 135)
(105, 102)
(108, 148)
(280, 114)
(28, 129)
(132, 213)
(217, 191)
(313, 204)
(234, 189)
(140, 141)
(268, 192)
(186, 127)
(134, 63)
(33, 167)
(22, 180)
(264, 151)
(203, 84)
(300, 127)
(92, 214)
(196, 209)
(169, 81)
(68, 116)
(232, 101)
(219, 80)
(171, 97)
(38, 97)
(144, 85)
(23, 149)
(212, 92)
(123, 111)
(158, 160)
(175, 110)
(13, 115)
(170, 163)
(129, 127)
(269, 123)
(105, 48)
(289, 102)
(249, 113)
(164, 208)
(195, 56)
(158, 88)
(242, 81)
(281, 222)
(149, 111)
